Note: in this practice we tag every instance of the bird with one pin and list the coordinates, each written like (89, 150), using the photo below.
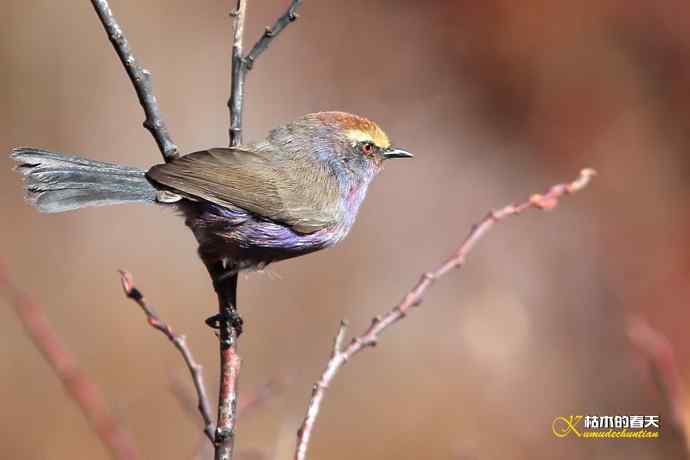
(294, 192)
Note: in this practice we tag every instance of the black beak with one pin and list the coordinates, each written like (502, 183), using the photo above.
(396, 153)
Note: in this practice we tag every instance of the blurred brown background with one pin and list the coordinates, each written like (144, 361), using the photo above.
(497, 98)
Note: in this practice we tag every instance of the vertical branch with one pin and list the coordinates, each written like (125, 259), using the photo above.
(229, 359)
(229, 372)
(226, 286)
(141, 79)
(227, 400)
(238, 72)
(77, 384)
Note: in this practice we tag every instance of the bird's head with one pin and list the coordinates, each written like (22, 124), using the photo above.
(356, 144)
(355, 140)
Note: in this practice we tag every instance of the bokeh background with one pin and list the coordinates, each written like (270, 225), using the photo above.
(497, 98)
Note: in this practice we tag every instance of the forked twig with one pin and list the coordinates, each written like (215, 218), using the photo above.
(243, 63)
(414, 297)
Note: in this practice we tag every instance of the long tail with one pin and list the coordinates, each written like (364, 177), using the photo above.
(55, 182)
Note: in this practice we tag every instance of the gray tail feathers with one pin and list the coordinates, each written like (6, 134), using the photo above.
(55, 182)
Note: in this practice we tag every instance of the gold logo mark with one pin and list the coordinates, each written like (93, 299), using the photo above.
(563, 426)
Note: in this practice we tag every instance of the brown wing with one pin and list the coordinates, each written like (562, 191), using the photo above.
(290, 191)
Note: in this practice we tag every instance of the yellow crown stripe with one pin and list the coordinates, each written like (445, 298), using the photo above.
(375, 135)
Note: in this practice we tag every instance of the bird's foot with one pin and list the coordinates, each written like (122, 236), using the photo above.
(228, 317)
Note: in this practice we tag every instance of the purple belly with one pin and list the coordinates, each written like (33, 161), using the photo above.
(248, 241)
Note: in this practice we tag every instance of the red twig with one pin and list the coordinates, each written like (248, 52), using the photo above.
(230, 363)
(415, 296)
(77, 384)
(180, 342)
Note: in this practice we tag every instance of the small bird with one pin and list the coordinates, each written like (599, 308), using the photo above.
(295, 192)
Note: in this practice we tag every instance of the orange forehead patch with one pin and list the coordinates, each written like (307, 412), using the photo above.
(357, 128)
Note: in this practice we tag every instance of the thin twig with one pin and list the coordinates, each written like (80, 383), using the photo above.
(243, 63)
(415, 296)
(77, 384)
(271, 33)
(141, 79)
(180, 342)
(238, 72)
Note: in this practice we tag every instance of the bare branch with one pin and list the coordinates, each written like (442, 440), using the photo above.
(230, 364)
(238, 72)
(229, 359)
(77, 384)
(180, 342)
(242, 64)
(141, 79)
(271, 33)
(415, 296)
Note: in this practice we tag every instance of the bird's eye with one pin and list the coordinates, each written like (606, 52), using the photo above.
(368, 148)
